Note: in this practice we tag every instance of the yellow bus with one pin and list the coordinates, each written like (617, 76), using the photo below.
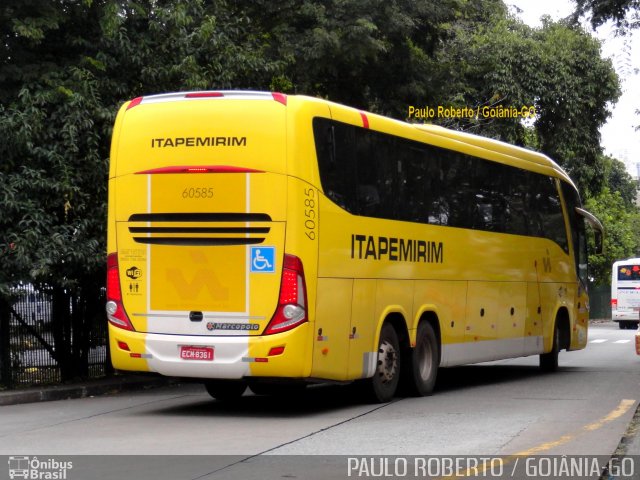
(269, 240)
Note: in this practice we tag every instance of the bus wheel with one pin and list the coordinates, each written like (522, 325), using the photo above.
(225, 390)
(549, 361)
(423, 367)
(384, 382)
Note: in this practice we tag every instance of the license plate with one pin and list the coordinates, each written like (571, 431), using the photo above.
(196, 353)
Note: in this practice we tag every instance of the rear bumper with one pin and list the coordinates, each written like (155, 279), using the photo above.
(625, 315)
(234, 357)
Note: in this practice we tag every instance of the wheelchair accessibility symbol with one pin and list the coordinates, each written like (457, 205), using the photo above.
(263, 259)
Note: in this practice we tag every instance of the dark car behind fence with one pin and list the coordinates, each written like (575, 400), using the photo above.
(49, 336)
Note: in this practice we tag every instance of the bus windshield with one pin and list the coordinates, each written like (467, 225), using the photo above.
(628, 272)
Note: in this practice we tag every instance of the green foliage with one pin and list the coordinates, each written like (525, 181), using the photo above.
(372, 54)
(615, 207)
(625, 13)
(558, 69)
(577, 84)
(619, 180)
(622, 233)
(52, 180)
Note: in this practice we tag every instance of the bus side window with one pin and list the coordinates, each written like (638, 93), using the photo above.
(336, 159)
(550, 210)
(456, 189)
(519, 200)
(578, 232)
(370, 196)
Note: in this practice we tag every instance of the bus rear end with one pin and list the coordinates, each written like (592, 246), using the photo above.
(625, 292)
(199, 282)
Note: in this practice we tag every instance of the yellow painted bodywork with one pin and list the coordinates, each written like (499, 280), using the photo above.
(478, 286)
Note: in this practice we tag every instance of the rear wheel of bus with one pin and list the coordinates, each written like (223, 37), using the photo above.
(422, 369)
(384, 383)
(225, 390)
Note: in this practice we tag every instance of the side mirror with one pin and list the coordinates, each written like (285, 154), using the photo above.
(598, 229)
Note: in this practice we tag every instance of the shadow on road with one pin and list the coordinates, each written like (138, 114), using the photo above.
(320, 399)
(316, 399)
(470, 376)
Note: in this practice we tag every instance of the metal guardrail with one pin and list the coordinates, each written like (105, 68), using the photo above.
(600, 302)
(38, 342)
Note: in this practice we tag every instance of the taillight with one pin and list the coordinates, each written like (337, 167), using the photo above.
(204, 95)
(199, 169)
(614, 303)
(115, 310)
(292, 302)
(135, 102)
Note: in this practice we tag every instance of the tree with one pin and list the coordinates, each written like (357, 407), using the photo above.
(558, 69)
(622, 233)
(625, 13)
(371, 54)
(619, 180)
(67, 67)
(52, 178)
(616, 208)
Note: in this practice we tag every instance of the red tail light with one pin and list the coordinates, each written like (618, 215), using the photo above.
(292, 303)
(614, 303)
(136, 101)
(115, 310)
(199, 169)
(204, 95)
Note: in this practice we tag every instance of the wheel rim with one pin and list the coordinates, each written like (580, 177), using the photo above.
(425, 362)
(387, 362)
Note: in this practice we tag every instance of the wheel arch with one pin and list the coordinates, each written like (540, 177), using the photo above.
(398, 321)
(397, 317)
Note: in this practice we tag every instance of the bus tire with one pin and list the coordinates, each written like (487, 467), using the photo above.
(225, 390)
(384, 383)
(422, 368)
(549, 361)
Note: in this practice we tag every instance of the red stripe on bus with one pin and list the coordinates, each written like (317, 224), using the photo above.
(199, 169)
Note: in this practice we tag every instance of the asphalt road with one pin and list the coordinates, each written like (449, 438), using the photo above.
(498, 409)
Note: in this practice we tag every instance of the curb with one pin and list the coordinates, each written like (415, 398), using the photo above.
(90, 388)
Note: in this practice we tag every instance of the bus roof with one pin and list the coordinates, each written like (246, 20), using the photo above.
(452, 137)
(628, 260)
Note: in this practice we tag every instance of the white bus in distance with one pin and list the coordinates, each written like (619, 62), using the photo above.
(625, 292)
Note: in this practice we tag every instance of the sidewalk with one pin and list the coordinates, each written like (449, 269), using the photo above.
(87, 388)
(630, 442)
